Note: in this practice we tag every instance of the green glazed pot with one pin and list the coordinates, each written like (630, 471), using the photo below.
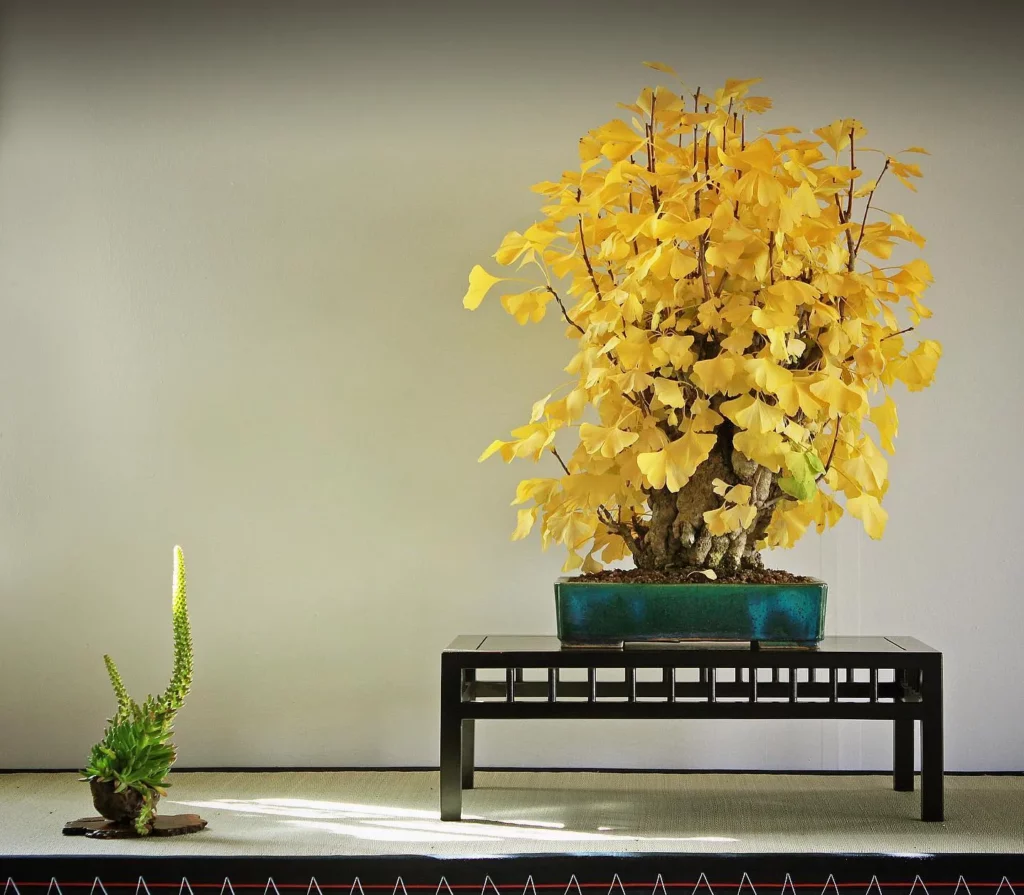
(612, 613)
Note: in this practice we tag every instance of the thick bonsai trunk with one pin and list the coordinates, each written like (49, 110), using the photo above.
(677, 536)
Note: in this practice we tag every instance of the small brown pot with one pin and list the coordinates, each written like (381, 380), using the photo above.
(120, 807)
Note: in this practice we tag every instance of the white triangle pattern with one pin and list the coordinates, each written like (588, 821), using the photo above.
(616, 882)
(10, 888)
(918, 882)
(616, 887)
(702, 879)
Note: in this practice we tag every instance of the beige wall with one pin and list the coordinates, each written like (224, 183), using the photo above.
(232, 252)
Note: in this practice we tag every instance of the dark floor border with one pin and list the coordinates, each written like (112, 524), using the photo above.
(503, 769)
(652, 874)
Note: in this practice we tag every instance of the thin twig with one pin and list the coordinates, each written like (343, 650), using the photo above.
(835, 441)
(867, 208)
(853, 166)
(696, 193)
(899, 332)
(565, 313)
(586, 258)
(554, 451)
(655, 196)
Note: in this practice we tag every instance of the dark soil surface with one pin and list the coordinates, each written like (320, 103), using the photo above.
(694, 576)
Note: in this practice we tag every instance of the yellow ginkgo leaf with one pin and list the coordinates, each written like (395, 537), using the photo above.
(870, 511)
(788, 524)
(766, 448)
(538, 408)
(524, 522)
(672, 228)
(661, 66)
(679, 351)
(725, 254)
(757, 104)
(497, 445)
(668, 392)
(512, 246)
(719, 522)
(887, 422)
(480, 281)
(633, 224)
(838, 397)
(673, 466)
(865, 465)
(737, 87)
(768, 376)
(749, 412)
(682, 264)
(531, 440)
(538, 490)
(739, 494)
(572, 562)
(703, 418)
(720, 375)
(572, 528)
(918, 369)
(608, 441)
(726, 520)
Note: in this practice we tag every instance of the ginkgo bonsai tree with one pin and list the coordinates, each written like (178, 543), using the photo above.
(738, 325)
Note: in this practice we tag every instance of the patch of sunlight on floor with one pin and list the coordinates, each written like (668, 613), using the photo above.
(415, 825)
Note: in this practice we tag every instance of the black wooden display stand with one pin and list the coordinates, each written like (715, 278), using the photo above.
(888, 678)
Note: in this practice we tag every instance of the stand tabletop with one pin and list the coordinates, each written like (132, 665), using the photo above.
(495, 644)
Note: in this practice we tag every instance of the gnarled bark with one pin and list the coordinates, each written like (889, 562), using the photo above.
(677, 535)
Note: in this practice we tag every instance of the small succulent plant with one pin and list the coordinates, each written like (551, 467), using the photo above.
(135, 752)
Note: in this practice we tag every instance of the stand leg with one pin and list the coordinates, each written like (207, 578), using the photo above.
(451, 740)
(931, 743)
(468, 750)
(903, 755)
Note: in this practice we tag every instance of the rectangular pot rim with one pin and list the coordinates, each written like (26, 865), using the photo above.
(577, 581)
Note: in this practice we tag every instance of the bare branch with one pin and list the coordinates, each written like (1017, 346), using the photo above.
(898, 332)
(586, 258)
(565, 313)
(867, 208)
(558, 457)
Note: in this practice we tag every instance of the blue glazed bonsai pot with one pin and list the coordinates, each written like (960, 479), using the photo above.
(601, 612)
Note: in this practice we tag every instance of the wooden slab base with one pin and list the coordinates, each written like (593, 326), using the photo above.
(163, 825)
